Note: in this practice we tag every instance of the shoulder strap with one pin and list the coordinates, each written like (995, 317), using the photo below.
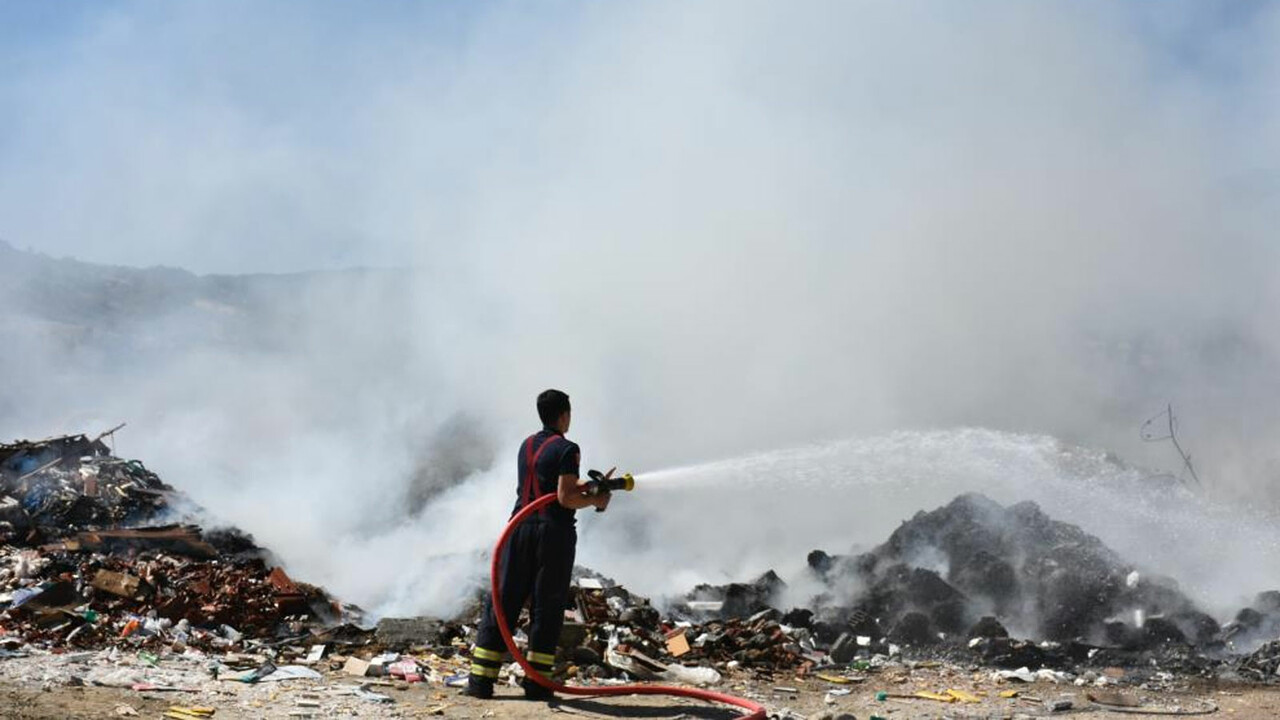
(530, 490)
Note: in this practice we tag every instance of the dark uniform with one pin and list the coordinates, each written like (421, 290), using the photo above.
(537, 561)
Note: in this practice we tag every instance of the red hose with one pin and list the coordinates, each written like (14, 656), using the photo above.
(757, 710)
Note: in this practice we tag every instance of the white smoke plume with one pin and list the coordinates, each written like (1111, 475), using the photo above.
(722, 228)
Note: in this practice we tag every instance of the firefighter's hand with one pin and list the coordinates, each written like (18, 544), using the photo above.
(601, 501)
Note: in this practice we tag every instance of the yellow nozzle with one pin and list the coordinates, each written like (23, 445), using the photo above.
(628, 482)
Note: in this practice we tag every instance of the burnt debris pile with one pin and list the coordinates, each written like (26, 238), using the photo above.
(56, 487)
(615, 633)
(974, 568)
(97, 551)
(1003, 586)
(975, 581)
(87, 559)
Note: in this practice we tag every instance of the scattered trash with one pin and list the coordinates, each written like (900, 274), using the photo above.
(700, 676)
(844, 648)
(365, 693)
(406, 670)
(963, 696)
(121, 584)
(291, 672)
(179, 712)
(1059, 704)
(677, 643)
(1053, 676)
(258, 673)
(830, 697)
(1021, 675)
(152, 687)
(356, 667)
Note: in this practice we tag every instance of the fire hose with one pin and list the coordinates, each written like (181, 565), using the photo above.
(757, 711)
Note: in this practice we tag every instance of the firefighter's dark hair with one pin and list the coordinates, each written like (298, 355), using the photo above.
(551, 405)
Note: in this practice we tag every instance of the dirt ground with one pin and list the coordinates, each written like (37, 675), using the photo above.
(810, 699)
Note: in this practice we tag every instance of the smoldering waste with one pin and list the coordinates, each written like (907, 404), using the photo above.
(1004, 586)
(87, 559)
(90, 559)
(943, 572)
(973, 581)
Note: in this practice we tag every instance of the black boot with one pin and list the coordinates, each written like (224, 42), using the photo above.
(534, 691)
(479, 687)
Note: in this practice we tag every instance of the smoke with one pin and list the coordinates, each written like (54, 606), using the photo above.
(722, 228)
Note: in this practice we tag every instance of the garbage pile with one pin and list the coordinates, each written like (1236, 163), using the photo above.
(55, 487)
(91, 557)
(615, 634)
(1257, 624)
(972, 581)
(973, 568)
(1263, 664)
(85, 562)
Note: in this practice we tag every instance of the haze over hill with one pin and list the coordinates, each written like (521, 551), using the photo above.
(111, 333)
(251, 392)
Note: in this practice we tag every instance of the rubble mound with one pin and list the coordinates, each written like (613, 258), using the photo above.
(972, 582)
(735, 600)
(974, 558)
(1262, 664)
(90, 556)
(615, 633)
(56, 487)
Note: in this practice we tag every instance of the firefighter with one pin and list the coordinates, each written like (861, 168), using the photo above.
(538, 561)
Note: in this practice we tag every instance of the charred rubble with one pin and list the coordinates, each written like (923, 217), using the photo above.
(972, 581)
(89, 556)
(972, 565)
